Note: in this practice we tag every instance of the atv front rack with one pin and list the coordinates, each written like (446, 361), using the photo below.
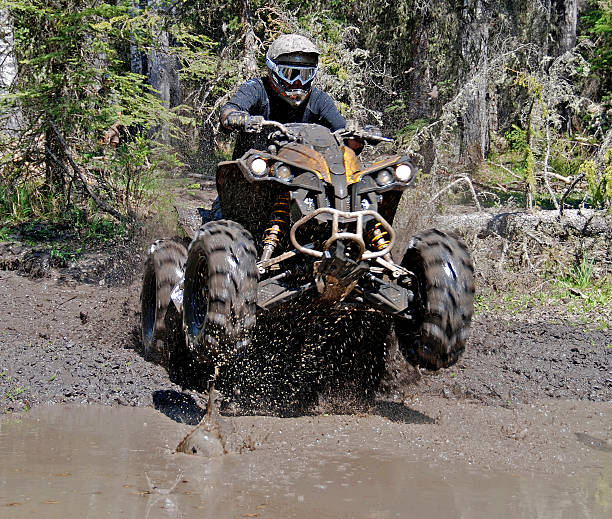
(353, 218)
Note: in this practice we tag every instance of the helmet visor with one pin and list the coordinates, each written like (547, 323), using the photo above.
(290, 74)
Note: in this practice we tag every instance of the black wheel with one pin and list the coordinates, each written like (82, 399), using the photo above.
(444, 279)
(183, 367)
(220, 291)
(163, 271)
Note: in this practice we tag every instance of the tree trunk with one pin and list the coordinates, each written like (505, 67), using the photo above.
(563, 25)
(163, 71)
(421, 89)
(9, 119)
(160, 66)
(55, 165)
(249, 60)
(474, 51)
(163, 66)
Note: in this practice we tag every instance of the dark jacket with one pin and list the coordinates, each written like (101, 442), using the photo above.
(257, 98)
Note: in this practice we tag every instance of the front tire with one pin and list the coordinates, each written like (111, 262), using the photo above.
(162, 272)
(444, 276)
(220, 291)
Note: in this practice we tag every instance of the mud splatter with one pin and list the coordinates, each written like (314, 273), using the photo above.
(210, 438)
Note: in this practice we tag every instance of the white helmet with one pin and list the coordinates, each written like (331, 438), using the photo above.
(292, 62)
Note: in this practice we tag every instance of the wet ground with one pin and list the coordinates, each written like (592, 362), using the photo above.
(93, 461)
(521, 426)
(70, 342)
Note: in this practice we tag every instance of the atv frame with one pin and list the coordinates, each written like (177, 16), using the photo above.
(303, 222)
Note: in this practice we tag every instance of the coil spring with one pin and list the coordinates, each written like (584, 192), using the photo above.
(378, 236)
(279, 223)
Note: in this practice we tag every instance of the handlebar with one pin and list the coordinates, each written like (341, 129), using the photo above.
(364, 134)
(369, 134)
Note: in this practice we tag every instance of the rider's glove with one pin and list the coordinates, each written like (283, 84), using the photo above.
(352, 126)
(243, 121)
(236, 120)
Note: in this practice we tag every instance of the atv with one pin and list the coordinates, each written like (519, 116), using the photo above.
(304, 223)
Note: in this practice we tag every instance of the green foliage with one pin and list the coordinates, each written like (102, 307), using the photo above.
(410, 132)
(599, 183)
(6, 233)
(88, 229)
(74, 83)
(22, 199)
(531, 84)
(62, 256)
(404, 64)
(589, 170)
(516, 138)
(414, 127)
(598, 25)
(530, 171)
(580, 274)
(14, 392)
(607, 178)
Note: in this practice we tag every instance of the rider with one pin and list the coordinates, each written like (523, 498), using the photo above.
(285, 95)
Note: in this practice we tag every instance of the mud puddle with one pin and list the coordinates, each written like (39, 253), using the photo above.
(64, 462)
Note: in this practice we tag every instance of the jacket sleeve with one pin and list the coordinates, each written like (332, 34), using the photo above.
(328, 113)
(248, 98)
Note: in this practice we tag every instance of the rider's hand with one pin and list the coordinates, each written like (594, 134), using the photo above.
(352, 126)
(236, 120)
(243, 121)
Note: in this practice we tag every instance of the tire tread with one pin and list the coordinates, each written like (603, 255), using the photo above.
(231, 260)
(448, 300)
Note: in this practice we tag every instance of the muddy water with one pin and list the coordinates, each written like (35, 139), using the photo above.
(94, 462)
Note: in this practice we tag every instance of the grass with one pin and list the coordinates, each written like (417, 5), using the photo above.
(65, 240)
(514, 301)
(11, 394)
(62, 256)
(6, 233)
(580, 276)
(578, 298)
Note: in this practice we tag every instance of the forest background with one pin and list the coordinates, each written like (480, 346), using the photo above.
(509, 98)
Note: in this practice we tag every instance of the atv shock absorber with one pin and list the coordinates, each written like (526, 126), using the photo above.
(378, 237)
(279, 223)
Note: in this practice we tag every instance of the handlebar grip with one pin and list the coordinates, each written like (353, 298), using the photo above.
(254, 123)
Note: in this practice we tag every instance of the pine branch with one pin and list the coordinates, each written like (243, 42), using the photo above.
(79, 171)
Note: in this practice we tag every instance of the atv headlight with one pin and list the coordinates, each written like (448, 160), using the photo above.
(403, 173)
(384, 177)
(283, 172)
(258, 166)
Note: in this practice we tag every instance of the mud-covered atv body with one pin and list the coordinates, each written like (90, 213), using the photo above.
(306, 223)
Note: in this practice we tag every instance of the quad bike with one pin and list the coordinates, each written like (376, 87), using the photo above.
(305, 223)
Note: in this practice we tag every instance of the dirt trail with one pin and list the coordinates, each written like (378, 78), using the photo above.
(530, 391)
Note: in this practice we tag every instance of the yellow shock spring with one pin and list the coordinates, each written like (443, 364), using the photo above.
(378, 236)
(279, 223)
